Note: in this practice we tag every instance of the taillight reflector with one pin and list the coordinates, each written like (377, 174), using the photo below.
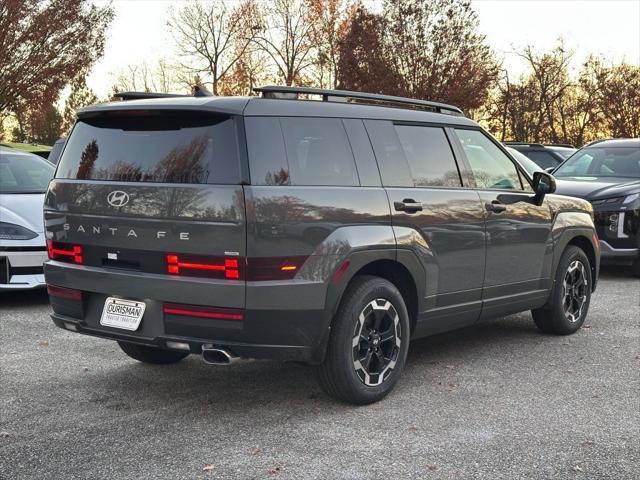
(202, 311)
(66, 293)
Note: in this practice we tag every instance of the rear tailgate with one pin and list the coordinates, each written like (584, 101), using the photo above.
(155, 205)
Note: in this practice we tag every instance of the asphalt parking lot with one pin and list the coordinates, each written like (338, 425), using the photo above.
(495, 401)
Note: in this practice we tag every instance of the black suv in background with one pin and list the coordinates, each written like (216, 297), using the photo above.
(329, 232)
(607, 173)
(547, 156)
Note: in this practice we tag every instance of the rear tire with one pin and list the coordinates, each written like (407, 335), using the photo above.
(568, 305)
(156, 356)
(368, 343)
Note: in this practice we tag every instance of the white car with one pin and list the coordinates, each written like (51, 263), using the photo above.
(24, 178)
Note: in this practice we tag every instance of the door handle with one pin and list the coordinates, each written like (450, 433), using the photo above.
(495, 207)
(408, 205)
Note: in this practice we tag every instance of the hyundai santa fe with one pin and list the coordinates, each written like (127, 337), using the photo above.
(320, 226)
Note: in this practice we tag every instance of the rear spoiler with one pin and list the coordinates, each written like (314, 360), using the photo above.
(198, 91)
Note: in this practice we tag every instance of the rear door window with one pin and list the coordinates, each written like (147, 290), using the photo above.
(300, 151)
(429, 155)
(168, 148)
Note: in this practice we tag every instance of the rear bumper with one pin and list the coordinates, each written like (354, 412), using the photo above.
(283, 320)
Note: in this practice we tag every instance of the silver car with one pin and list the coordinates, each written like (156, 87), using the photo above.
(24, 178)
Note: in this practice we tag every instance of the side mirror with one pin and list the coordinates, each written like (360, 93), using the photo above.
(549, 169)
(543, 183)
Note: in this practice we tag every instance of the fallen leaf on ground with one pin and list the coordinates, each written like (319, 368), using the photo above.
(274, 470)
(208, 467)
(577, 468)
(586, 326)
(432, 467)
(85, 369)
(7, 434)
(413, 429)
(255, 451)
(43, 343)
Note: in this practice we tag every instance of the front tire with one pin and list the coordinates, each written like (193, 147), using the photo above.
(569, 302)
(156, 356)
(368, 343)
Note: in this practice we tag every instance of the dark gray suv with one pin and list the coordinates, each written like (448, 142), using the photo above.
(327, 232)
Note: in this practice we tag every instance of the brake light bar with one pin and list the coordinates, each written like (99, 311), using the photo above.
(215, 267)
(202, 311)
(64, 252)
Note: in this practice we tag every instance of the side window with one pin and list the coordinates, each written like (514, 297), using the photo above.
(267, 158)
(318, 152)
(392, 162)
(429, 155)
(491, 168)
(363, 153)
(543, 159)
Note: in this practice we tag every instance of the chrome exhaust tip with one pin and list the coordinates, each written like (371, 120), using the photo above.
(217, 356)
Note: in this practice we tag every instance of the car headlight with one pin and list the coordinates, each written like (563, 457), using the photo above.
(11, 231)
(631, 198)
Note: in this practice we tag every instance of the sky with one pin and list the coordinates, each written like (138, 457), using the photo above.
(610, 28)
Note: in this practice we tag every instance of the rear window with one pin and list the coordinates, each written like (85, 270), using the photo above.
(300, 151)
(165, 148)
(24, 173)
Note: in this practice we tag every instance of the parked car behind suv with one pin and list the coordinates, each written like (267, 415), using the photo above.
(547, 156)
(329, 232)
(607, 173)
(24, 178)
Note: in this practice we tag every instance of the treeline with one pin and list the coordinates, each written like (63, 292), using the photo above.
(416, 48)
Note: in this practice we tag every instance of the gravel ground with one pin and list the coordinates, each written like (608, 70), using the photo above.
(495, 401)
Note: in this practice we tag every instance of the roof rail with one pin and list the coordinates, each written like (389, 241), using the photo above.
(345, 96)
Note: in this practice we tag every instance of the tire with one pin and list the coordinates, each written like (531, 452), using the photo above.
(564, 315)
(344, 375)
(156, 356)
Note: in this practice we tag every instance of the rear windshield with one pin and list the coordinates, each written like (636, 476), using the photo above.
(167, 148)
(21, 173)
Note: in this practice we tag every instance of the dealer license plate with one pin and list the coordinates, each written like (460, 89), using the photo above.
(119, 313)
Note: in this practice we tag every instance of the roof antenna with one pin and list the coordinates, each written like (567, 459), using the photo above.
(201, 91)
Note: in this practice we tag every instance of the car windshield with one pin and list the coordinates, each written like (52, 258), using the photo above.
(24, 173)
(529, 165)
(602, 162)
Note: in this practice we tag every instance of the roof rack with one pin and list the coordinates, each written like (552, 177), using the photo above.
(198, 91)
(528, 144)
(345, 96)
(565, 145)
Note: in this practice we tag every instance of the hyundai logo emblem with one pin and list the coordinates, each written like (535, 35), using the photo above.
(118, 198)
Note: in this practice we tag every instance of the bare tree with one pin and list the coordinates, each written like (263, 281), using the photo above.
(162, 77)
(287, 39)
(213, 36)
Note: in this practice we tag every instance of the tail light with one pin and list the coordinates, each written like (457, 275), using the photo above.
(202, 311)
(201, 266)
(64, 252)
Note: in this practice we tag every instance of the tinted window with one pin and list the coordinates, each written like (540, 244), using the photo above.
(491, 167)
(429, 155)
(602, 162)
(394, 168)
(175, 148)
(267, 158)
(24, 173)
(318, 152)
(544, 159)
